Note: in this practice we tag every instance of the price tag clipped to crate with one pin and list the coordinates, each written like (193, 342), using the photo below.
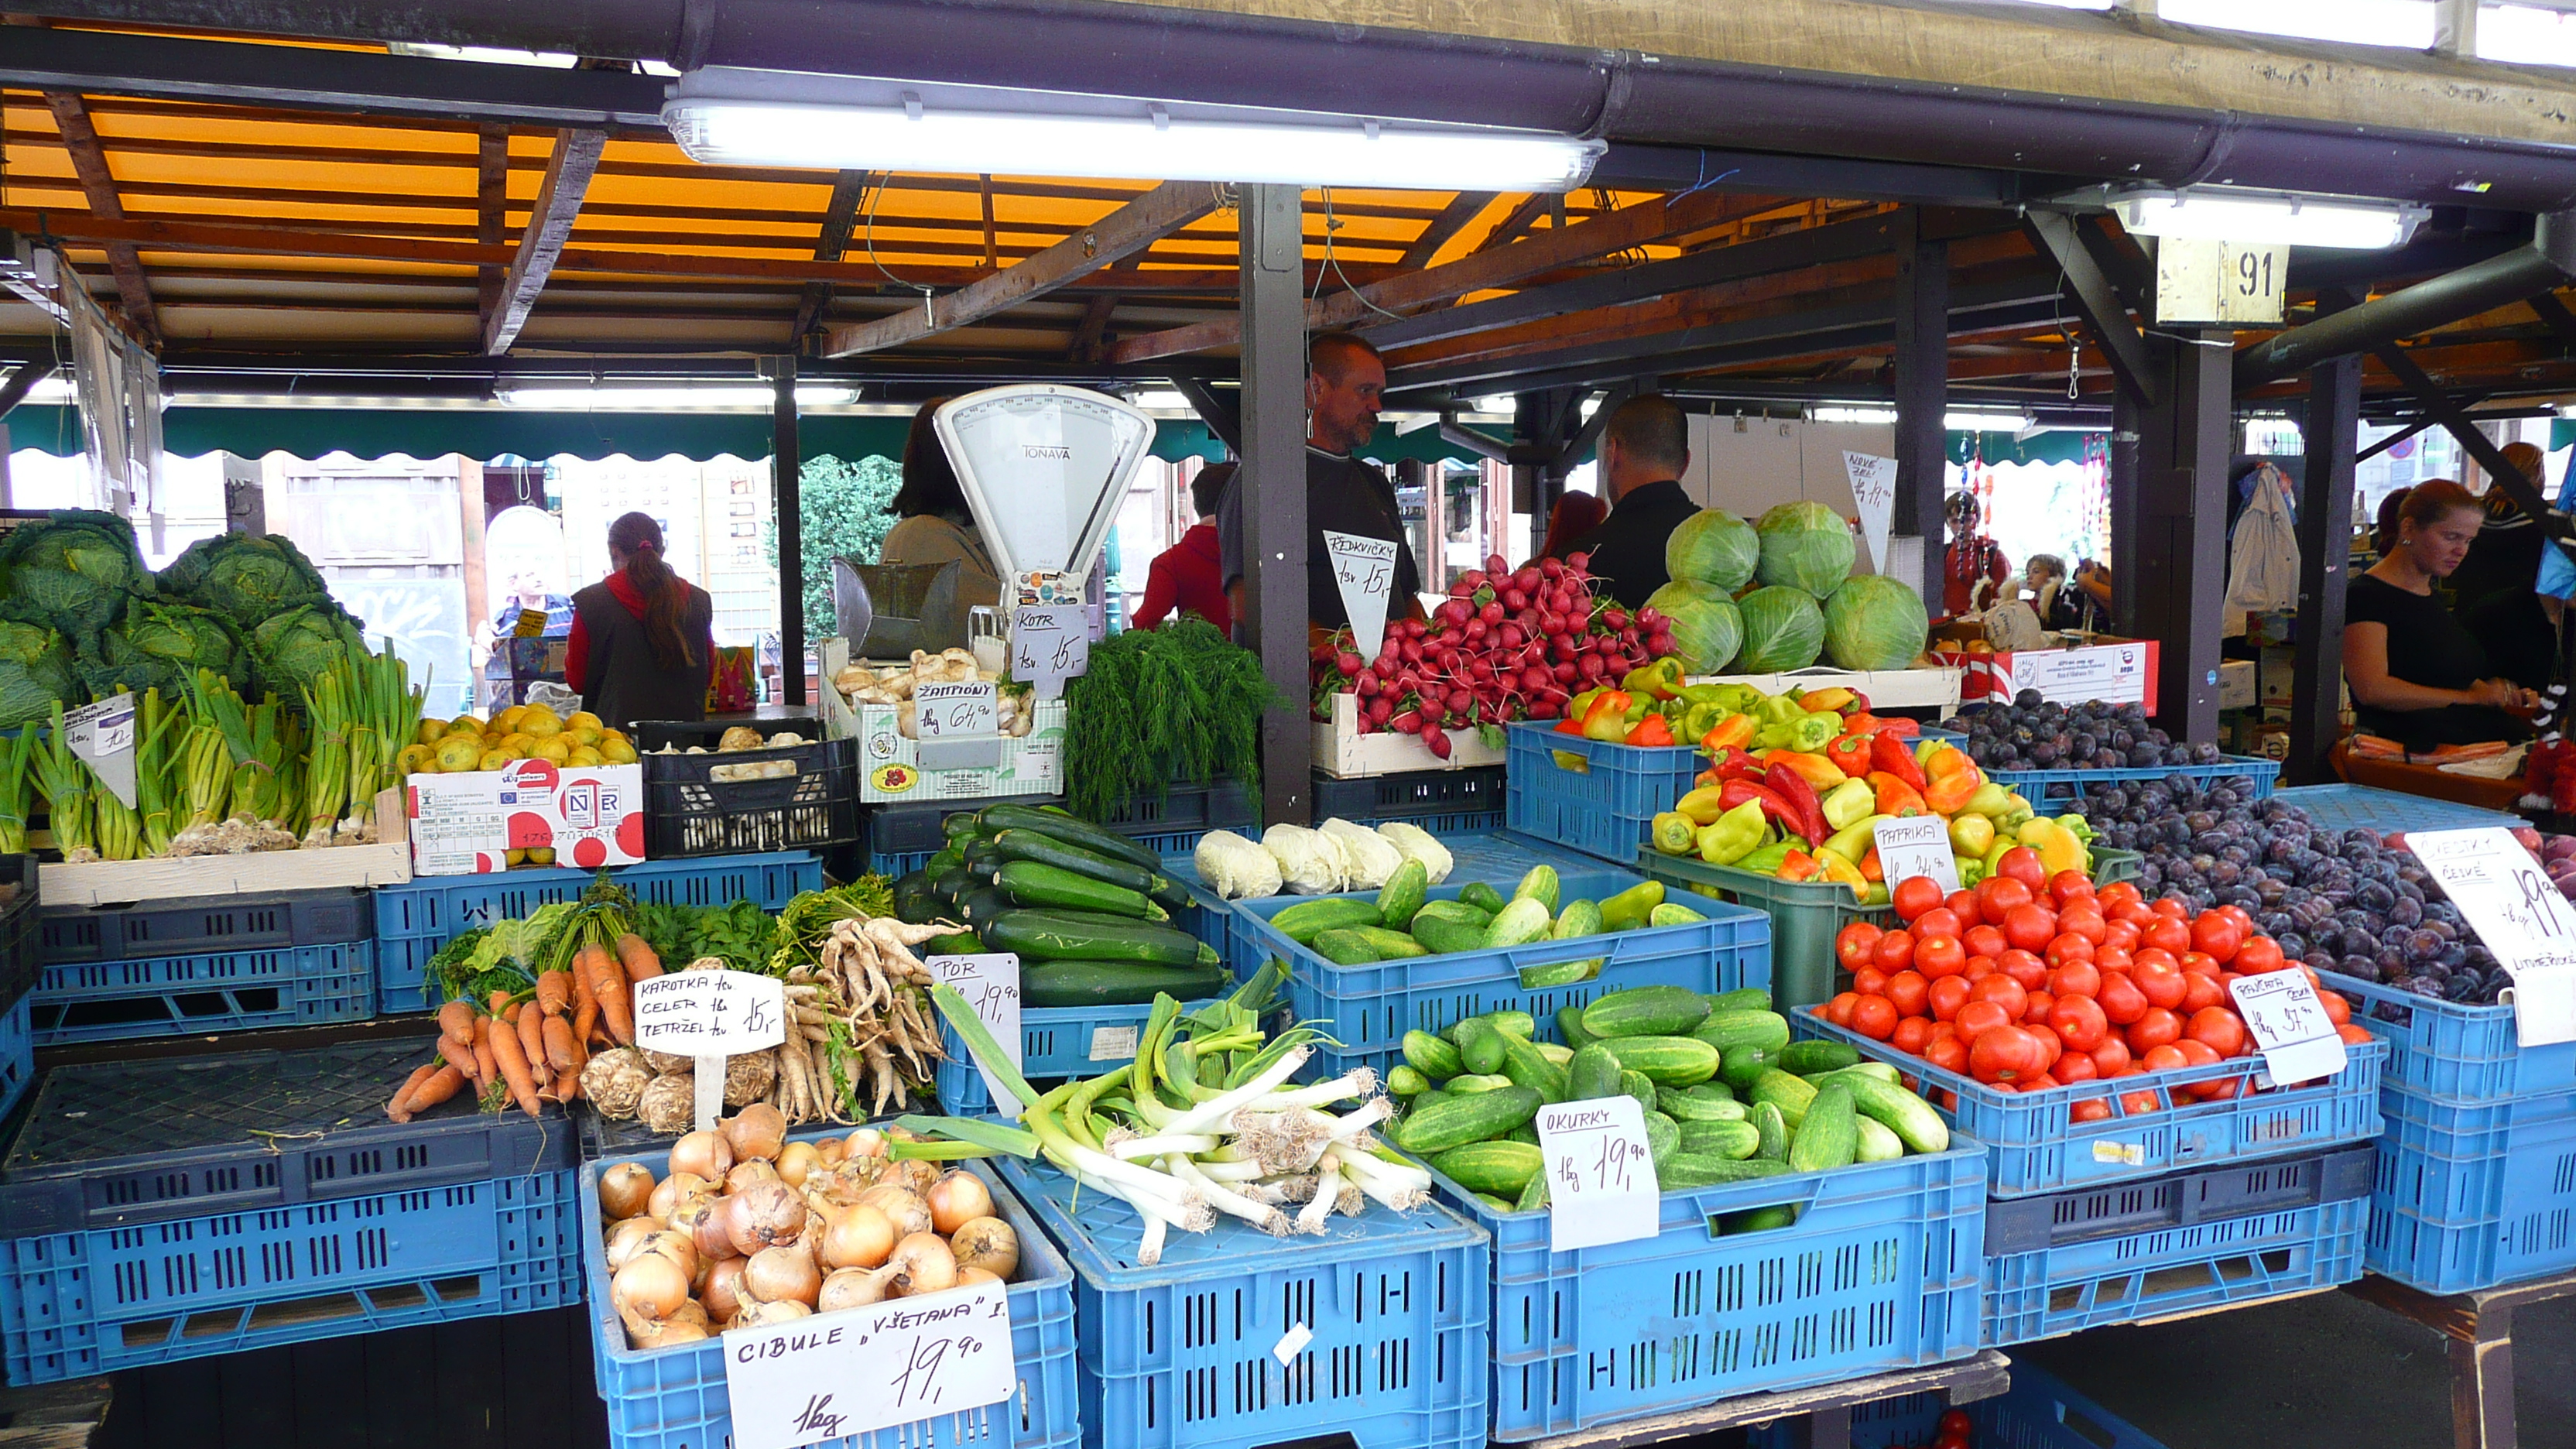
(2520, 916)
(1600, 1174)
(1049, 645)
(990, 982)
(2289, 1025)
(710, 1015)
(850, 1373)
(1364, 571)
(1916, 845)
(102, 734)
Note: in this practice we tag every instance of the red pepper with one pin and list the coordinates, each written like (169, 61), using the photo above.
(1887, 752)
(1899, 724)
(1737, 792)
(1783, 814)
(1652, 730)
(1569, 726)
(1850, 753)
(1793, 788)
(1735, 764)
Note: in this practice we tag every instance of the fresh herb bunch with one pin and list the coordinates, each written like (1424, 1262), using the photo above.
(1178, 705)
(742, 935)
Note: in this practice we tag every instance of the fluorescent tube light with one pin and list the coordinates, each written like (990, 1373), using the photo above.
(2270, 217)
(725, 116)
(1975, 422)
(583, 397)
(1874, 416)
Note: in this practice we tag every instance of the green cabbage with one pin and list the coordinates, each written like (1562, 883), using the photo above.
(249, 580)
(161, 645)
(1875, 622)
(1713, 547)
(1783, 629)
(299, 644)
(1804, 546)
(71, 573)
(1706, 627)
(35, 671)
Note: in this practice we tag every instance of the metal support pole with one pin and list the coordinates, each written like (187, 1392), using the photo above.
(1922, 385)
(2332, 426)
(786, 463)
(1274, 469)
(2128, 427)
(2181, 581)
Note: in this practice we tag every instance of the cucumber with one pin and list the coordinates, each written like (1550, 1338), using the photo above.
(1556, 1055)
(1646, 1011)
(1534, 1196)
(1432, 1056)
(1561, 973)
(1774, 1130)
(1526, 1132)
(1736, 1141)
(1539, 885)
(1743, 998)
(1641, 1087)
(1514, 1023)
(1523, 1064)
(1900, 1111)
(1735, 1031)
(1456, 911)
(1467, 1084)
(1688, 1105)
(1884, 1071)
(1345, 947)
(1483, 897)
(1402, 894)
(1306, 920)
(1807, 1058)
(1493, 1203)
(1673, 913)
(1457, 1121)
(1445, 936)
(1480, 1046)
(1671, 1061)
(1404, 1080)
(1693, 1169)
(1525, 920)
(1427, 1098)
(1577, 920)
(1115, 983)
(1794, 1096)
(1759, 1220)
(1076, 936)
(1877, 1144)
(1569, 1025)
(1501, 1168)
(1594, 1072)
(963, 943)
(1391, 945)
(1034, 883)
(1828, 1138)
(1080, 833)
(1663, 1137)
(1042, 849)
(1741, 1068)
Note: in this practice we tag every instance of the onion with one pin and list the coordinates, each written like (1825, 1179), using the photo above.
(831, 1150)
(767, 1215)
(649, 1286)
(671, 1244)
(913, 1173)
(858, 1236)
(923, 1263)
(969, 1277)
(674, 1190)
(708, 1222)
(705, 1153)
(757, 1131)
(796, 1161)
(665, 1334)
(867, 1142)
(956, 1200)
(902, 1206)
(689, 1311)
(988, 1243)
(854, 1288)
(748, 1173)
(627, 1239)
(721, 1294)
(777, 1275)
(624, 1190)
(761, 1315)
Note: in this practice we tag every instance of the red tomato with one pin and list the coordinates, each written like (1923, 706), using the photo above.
(2259, 954)
(1913, 1034)
(1839, 1010)
(1979, 1017)
(2085, 920)
(2007, 1053)
(1945, 996)
(1853, 944)
(1955, 1421)
(2112, 1057)
(2076, 978)
(2067, 946)
(2199, 991)
(2003, 991)
(1869, 981)
(2216, 936)
(1894, 952)
(2109, 958)
(2121, 935)
(1938, 921)
(1874, 1017)
(2171, 909)
(2158, 1027)
(2338, 1009)
(1997, 895)
(2169, 934)
(1963, 904)
(2198, 1053)
(2213, 1091)
(2091, 1109)
(1978, 968)
(2159, 955)
(2136, 913)
(2120, 894)
(2166, 1058)
(2074, 1067)
(2050, 1047)
(2122, 1001)
(1913, 896)
(2029, 927)
(2162, 985)
(2023, 967)
(1985, 940)
(1940, 956)
(2037, 1007)
(2069, 885)
(2217, 1028)
(2080, 1023)
(1907, 989)
(1948, 1053)
(2353, 1035)
(2139, 1104)
(2021, 863)
(2244, 922)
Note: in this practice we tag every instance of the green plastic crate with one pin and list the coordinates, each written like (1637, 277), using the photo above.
(1806, 915)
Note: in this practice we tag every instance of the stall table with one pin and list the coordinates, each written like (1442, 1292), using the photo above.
(2426, 780)
(53, 1416)
(1823, 1411)
(2480, 1328)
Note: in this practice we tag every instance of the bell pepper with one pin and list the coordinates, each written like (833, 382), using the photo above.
(1652, 731)
(1701, 805)
(1716, 694)
(1734, 731)
(1894, 796)
(1569, 726)
(1849, 801)
(1731, 837)
(1581, 704)
(1697, 719)
(1670, 832)
(1947, 794)
(1850, 753)
(2057, 846)
(1662, 679)
(1972, 869)
(1777, 709)
(1767, 859)
(1991, 800)
(1888, 753)
(2076, 825)
(1971, 835)
(1835, 868)
(1608, 719)
(1735, 763)
(1871, 869)
(1854, 840)
(1706, 779)
(1945, 759)
(1793, 788)
(1899, 724)
(1816, 770)
(1799, 865)
(1787, 816)
(1817, 700)
(1629, 909)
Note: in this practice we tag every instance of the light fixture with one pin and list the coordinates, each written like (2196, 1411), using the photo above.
(1983, 422)
(2276, 218)
(581, 397)
(1161, 401)
(1502, 403)
(728, 116)
(1871, 416)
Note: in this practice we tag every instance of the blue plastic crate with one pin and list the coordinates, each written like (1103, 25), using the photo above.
(413, 921)
(2454, 1049)
(2180, 1243)
(1597, 797)
(1368, 1009)
(2055, 792)
(2038, 1147)
(1886, 1256)
(200, 924)
(2037, 1412)
(2470, 1195)
(17, 1056)
(92, 1302)
(197, 995)
(2342, 807)
(1056, 1042)
(1183, 1354)
(675, 1398)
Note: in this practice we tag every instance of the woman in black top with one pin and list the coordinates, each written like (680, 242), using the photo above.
(2415, 673)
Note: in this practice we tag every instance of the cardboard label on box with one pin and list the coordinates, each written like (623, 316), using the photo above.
(467, 824)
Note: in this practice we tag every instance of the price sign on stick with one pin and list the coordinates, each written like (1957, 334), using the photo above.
(1364, 570)
(1873, 483)
(990, 982)
(102, 734)
(1049, 645)
(2520, 916)
(710, 1015)
(2289, 1025)
(1600, 1173)
(950, 711)
(1916, 845)
(850, 1373)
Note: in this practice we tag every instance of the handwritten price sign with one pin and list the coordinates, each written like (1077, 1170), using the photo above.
(1600, 1173)
(710, 1015)
(1873, 484)
(2520, 916)
(102, 735)
(1364, 570)
(2289, 1025)
(848, 1374)
(1049, 645)
(1914, 845)
(990, 982)
(952, 711)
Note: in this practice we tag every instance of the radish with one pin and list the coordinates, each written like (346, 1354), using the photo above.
(1563, 672)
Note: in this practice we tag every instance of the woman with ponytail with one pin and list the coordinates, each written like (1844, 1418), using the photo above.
(642, 642)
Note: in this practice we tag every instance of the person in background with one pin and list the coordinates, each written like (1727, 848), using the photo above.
(2093, 582)
(1575, 515)
(1645, 447)
(1974, 573)
(2417, 676)
(1182, 579)
(2044, 575)
(2383, 532)
(2505, 559)
(936, 526)
(643, 643)
(528, 593)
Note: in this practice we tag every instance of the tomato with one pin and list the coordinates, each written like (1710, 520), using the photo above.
(2198, 1053)
(1869, 981)
(2168, 935)
(1945, 996)
(2074, 1067)
(1839, 1010)
(2166, 1058)
(2199, 963)
(2023, 967)
(2200, 992)
(2171, 909)
(2021, 863)
(2216, 936)
(1938, 921)
(2075, 978)
(1985, 940)
(2107, 959)
(1907, 989)
(1874, 1016)
(2139, 1104)
(2050, 1047)
(2158, 1027)
(1955, 1421)
(2069, 885)
(1997, 895)
(2353, 1035)
(2091, 1109)
(2119, 895)
(1978, 968)
(1894, 951)
(2067, 946)
(1940, 956)
(2036, 1009)
(2213, 1091)
(2003, 991)
(1963, 904)
(2160, 984)
(2244, 922)
(2136, 913)
(1913, 1034)
(1913, 896)
(2120, 935)
(2258, 956)
(1853, 944)
(2029, 927)
(1979, 1017)
(2122, 1001)
(1948, 1053)
(2007, 1053)
(2159, 955)
(2217, 1028)
(2338, 1009)
(2079, 1022)
(2083, 919)
(2112, 1057)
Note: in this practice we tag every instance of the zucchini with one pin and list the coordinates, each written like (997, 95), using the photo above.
(984, 854)
(981, 907)
(1794, 1096)
(1694, 1169)
(1345, 947)
(963, 943)
(1483, 897)
(1828, 1138)
(951, 884)
(1044, 849)
(1699, 1104)
(1671, 1061)
(1446, 936)
(1402, 894)
(1457, 1121)
(953, 858)
(1115, 983)
(914, 905)
(1404, 1080)
(1663, 1138)
(1900, 1111)
(1501, 1168)
(1808, 1058)
(1877, 1144)
(1735, 1031)
(1774, 1130)
(959, 827)
(1744, 1066)
(1432, 1056)
(1063, 827)
(1569, 1025)
(1540, 885)
(1523, 1064)
(1743, 998)
(1735, 1141)
(1306, 920)
(1076, 936)
(1594, 1072)
(1035, 883)
(1646, 1011)
(1525, 920)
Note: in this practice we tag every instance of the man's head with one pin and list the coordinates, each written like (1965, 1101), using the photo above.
(1344, 378)
(530, 586)
(1646, 441)
(1207, 490)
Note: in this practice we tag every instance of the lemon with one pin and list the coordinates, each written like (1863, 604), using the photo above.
(616, 752)
(585, 757)
(555, 748)
(582, 734)
(541, 855)
(465, 724)
(418, 759)
(520, 743)
(459, 754)
(429, 731)
(495, 759)
(585, 720)
(517, 857)
(540, 722)
(507, 720)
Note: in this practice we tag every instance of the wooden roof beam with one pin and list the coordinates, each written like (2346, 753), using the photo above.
(1123, 233)
(491, 218)
(568, 174)
(1463, 208)
(89, 162)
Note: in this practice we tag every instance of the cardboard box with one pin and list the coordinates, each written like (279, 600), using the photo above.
(110, 882)
(466, 824)
(2236, 684)
(2105, 667)
(890, 762)
(1342, 752)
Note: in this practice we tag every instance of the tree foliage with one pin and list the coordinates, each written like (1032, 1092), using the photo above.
(846, 510)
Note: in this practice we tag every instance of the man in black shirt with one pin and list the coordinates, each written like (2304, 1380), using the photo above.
(1644, 449)
(1344, 494)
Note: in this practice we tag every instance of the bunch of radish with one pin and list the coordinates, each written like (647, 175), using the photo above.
(1505, 645)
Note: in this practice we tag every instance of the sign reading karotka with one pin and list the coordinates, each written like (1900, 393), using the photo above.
(1364, 570)
(710, 1015)
(850, 1372)
(1600, 1169)
(1873, 485)
(2520, 916)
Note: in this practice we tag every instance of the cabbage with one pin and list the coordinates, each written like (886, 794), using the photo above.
(293, 647)
(1713, 547)
(1234, 867)
(35, 671)
(1420, 844)
(1875, 622)
(71, 573)
(160, 646)
(1369, 856)
(1783, 629)
(1804, 546)
(248, 579)
(1310, 862)
(1707, 629)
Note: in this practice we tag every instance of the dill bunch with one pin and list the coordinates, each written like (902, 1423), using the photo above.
(1178, 705)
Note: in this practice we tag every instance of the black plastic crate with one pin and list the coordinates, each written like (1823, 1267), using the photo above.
(198, 925)
(1217, 805)
(913, 829)
(22, 963)
(1411, 795)
(114, 1144)
(689, 811)
(2182, 1199)
(654, 734)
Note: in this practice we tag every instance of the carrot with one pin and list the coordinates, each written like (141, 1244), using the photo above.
(441, 1084)
(487, 1064)
(512, 1059)
(563, 1053)
(608, 983)
(456, 1021)
(637, 957)
(554, 992)
(585, 1027)
(395, 1108)
(532, 1040)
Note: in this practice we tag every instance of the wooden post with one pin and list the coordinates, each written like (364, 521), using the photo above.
(1922, 384)
(1273, 307)
(2177, 588)
(2332, 425)
(478, 584)
(786, 496)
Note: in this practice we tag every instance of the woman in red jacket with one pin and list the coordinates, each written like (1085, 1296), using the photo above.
(1183, 579)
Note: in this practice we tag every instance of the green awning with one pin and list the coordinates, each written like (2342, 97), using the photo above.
(2050, 447)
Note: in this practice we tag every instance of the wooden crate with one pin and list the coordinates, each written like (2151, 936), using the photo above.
(1342, 752)
(106, 882)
